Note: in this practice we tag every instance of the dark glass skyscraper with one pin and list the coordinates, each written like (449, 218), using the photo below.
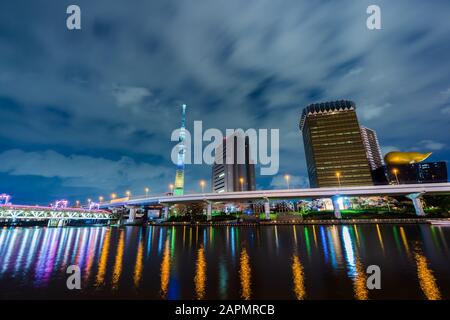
(335, 154)
(227, 174)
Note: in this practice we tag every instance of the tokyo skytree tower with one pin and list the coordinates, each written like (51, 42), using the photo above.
(179, 177)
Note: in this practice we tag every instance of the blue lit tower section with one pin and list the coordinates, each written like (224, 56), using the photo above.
(179, 177)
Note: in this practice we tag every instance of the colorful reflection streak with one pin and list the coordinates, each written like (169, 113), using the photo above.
(117, 271)
(360, 280)
(245, 275)
(100, 279)
(200, 274)
(355, 267)
(380, 237)
(298, 278)
(138, 264)
(185, 262)
(165, 270)
(426, 279)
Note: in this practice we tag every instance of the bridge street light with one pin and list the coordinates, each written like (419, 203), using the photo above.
(395, 171)
(202, 184)
(147, 190)
(338, 176)
(113, 196)
(171, 188)
(287, 178)
(100, 199)
(128, 193)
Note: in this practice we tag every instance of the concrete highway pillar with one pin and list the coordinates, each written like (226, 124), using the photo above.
(165, 212)
(267, 209)
(132, 215)
(209, 211)
(337, 210)
(119, 214)
(417, 202)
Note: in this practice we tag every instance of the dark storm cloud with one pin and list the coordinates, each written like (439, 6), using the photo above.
(101, 102)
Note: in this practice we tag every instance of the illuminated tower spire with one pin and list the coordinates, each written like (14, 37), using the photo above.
(179, 177)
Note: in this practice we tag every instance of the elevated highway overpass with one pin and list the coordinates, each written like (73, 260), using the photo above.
(412, 191)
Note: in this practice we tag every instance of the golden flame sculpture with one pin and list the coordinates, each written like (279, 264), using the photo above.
(397, 157)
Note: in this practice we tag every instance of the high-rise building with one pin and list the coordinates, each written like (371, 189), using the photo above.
(335, 154)
(179, 176)
(227, 174)
(372, 146)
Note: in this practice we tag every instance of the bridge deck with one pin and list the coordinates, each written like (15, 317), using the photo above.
(40, 213)
(388, 190)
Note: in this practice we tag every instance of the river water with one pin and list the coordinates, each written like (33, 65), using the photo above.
(266, 262)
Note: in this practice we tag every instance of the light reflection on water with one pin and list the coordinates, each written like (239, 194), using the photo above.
(298, 278)
(117, 270)
(245, 272)
(200, 274)
(426, 279)
(165, 270)
(138, 264)
(267, 262)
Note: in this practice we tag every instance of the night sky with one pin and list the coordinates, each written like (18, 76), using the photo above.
(90, 112)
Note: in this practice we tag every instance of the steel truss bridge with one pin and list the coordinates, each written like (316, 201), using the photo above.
(17, 212)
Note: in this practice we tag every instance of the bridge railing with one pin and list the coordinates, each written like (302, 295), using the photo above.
(43, 208)
(21, 212)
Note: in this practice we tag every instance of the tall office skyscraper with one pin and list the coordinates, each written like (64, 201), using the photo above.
(335, 153)
(179, 176)
(227, 174)
(373, 150)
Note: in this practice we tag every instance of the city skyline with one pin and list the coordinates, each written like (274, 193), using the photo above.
(90, 121)
(224, 158)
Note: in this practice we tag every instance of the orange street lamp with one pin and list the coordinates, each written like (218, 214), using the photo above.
(287, 178)
(338, 176)
(202, 184)
(395, 171)
(241, 180)
(171, 188)
(100, 199)
(113, 196)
